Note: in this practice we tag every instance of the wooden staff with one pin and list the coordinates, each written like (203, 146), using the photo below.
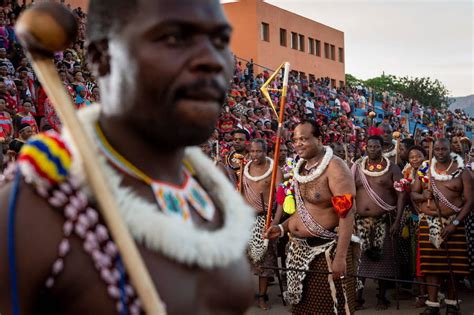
(241, 174)
(396, 135)
(276, 154)
(44, 29)
(346, 153)
(217, 152)
(430, 157)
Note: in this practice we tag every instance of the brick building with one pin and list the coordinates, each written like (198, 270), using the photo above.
(271, 35)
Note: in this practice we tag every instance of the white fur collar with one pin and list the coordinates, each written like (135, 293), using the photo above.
(171, 236)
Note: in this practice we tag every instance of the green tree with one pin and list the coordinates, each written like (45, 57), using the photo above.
(352, 80)
(427, 91)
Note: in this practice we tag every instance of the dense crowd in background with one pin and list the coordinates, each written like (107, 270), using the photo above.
(344, 113)
(25, 109)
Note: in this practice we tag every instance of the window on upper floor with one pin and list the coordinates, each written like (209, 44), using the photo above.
(317, 47)
(341, 54)
(294, 40)
(282, 37)
(311, 45)
(301, 43)
(265, 32)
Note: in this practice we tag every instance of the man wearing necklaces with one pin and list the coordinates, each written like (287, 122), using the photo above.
(163, 66)
(256, 189)
(442, 239)
(375, 178)
(238, 153)
(320, 229)
(389, 145)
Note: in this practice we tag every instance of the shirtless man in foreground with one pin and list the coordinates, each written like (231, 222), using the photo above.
(256, 186)
(321, 228)
(444, 205)
(376, 225)
(163, 66)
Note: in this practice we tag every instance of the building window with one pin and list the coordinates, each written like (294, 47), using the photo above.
(318, 47)
(341, 54)
(265, 32)
(333, 83)
(282, 37)
(341, 84)
(333, 52)
(311, 45)
(294, 40)
(326, 50)
(301, 43)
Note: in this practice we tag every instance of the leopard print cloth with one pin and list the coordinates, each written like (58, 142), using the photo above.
(371, 226)
(436, 227)
(257, 245)
(300, 255)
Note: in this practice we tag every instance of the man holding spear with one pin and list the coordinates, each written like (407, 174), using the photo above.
(442, 240)
(256, 190)
(320, 229)
(161, 65)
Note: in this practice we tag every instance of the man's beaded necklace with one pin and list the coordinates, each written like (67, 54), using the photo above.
(171, 199)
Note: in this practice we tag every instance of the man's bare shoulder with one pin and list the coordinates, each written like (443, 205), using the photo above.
(338, 165)
(38, 231)
(340, 177)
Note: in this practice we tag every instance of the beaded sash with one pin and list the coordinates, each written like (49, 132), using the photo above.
(372, 194)
(313, 227)
(442, 199)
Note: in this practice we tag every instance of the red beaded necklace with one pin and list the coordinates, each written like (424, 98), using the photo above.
(375, 166)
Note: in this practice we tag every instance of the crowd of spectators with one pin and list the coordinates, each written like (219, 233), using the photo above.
(25, 109)
(343, 113)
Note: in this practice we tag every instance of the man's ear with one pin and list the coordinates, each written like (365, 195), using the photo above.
(98, 57)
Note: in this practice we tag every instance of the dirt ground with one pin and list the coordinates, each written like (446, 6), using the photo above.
(406, 306)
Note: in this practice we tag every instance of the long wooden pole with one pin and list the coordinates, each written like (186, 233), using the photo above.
(276, 154)
(430, 158)
(49, 78)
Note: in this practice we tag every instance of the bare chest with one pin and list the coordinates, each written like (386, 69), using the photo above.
(454, 187)
(184, 289)
(383, 182)
(316, 192)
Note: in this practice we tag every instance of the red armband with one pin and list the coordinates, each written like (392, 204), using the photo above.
(280, 195)
(342, 204)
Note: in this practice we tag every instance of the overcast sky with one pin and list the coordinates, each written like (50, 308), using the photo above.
(401, 37)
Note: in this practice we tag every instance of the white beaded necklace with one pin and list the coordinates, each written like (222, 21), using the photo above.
(177, 240)
(258, 178)
(316, 171)
(446, 177)
(393, 152)
(363, 162)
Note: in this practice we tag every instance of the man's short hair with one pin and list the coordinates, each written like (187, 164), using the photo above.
(263, 143)
(316, 131)
(418, 148)
(408, 142)
(376, 138)
(106, 16)
(444, 140)
(243, 132)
